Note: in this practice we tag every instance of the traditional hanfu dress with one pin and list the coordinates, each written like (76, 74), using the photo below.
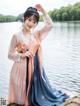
(28, 81)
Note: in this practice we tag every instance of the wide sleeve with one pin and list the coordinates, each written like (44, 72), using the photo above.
(12, 54)
(48, 25)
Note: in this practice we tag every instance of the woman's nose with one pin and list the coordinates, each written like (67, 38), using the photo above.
(31, 24)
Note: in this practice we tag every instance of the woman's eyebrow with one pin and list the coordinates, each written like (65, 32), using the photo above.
(33, 18)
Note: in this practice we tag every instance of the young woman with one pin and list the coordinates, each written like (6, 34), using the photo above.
(29, 85)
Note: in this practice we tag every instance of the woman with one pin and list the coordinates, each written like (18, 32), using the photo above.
(28, 82)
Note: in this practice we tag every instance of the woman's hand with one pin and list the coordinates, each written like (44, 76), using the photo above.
(40, 8)
(22, 49)
(27, 54)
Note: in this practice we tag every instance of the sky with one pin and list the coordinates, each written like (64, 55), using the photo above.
(16, 7)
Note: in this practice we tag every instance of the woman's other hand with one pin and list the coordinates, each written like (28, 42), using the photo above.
(27, 54)
(39, 7)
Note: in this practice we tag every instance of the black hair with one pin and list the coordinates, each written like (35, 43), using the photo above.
(31, 11)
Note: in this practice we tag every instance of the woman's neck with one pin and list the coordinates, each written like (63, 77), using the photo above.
(26, 32)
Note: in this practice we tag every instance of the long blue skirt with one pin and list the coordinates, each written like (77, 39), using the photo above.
(41, 93)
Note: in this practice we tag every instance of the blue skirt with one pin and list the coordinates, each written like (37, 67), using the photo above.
(41, 93)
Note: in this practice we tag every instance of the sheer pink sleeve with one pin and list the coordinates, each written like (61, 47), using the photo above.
(48, 25)
(12, 54)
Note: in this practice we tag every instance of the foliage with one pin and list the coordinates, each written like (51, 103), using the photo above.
(68, 13)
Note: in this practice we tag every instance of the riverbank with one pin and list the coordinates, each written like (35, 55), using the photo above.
(74, 101)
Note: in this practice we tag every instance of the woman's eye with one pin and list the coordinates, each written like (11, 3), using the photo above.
(29, 19)
(34, 22)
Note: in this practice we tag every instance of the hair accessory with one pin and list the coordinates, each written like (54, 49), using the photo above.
(32, 9)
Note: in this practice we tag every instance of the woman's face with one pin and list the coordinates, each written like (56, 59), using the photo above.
(30, 23)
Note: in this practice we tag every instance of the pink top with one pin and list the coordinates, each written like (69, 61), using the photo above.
(19, 37)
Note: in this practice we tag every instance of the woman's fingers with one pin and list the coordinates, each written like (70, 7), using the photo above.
(28, 54)
(38, 7)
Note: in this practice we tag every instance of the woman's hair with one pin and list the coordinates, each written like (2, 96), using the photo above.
(31, 11)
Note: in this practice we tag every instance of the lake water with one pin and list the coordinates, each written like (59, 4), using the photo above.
(61, 56)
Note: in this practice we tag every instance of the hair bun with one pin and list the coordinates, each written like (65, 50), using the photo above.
(32, 9)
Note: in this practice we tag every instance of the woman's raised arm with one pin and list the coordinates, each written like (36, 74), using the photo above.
(48, 24)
